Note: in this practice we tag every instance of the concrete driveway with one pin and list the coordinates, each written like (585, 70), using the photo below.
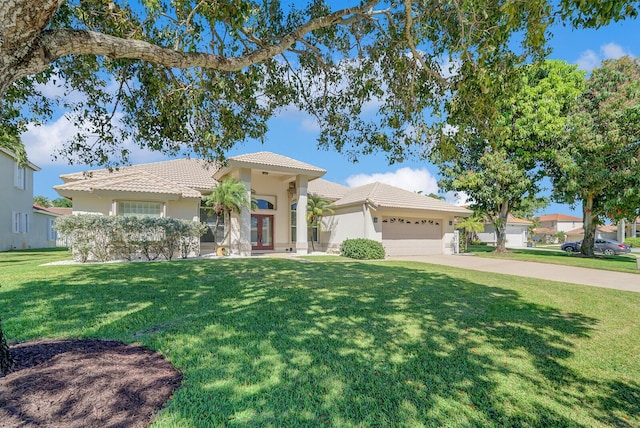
(550, 272)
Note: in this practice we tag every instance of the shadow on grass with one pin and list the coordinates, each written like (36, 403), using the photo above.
(284, 343)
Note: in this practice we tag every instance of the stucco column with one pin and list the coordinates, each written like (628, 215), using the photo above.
(244, 247)
(302, 242)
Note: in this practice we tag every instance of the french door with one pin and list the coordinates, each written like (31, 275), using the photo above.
(261, 232)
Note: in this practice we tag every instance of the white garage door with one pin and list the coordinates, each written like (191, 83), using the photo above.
(515, 237)
(405, 236)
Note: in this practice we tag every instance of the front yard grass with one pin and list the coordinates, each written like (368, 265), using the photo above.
(277, 342)
(622, 263)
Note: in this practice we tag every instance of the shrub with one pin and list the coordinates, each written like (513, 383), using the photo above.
(362, 249)
(105, 238)
(632, 242)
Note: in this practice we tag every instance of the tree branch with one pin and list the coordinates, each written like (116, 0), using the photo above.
(62, 42)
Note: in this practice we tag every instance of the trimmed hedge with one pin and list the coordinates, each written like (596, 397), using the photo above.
(362, 249)
(632, 242)
(103, 238)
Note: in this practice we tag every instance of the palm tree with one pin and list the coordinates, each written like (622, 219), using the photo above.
(317, 206)
(471, 225)
(229, 196)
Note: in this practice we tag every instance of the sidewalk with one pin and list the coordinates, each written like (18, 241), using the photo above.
(550, 272)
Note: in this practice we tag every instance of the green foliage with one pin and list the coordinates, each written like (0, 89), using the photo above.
(598, 163)
(229, 196)
(103, 238)
(405, 57)
(43, 201)
(498, 165)
(62, 203)
(633, 242)
(317, 207)
(362, 249)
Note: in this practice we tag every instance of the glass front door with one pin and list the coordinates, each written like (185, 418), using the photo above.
(261, 232)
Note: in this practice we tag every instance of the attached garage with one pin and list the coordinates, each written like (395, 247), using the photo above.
(412, 236)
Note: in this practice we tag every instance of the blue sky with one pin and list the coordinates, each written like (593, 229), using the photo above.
(294, 134)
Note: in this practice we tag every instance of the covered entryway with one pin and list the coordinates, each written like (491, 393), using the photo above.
(411, 236)
(261, 232)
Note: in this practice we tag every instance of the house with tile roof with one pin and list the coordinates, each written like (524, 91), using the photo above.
(405, 222)
(551, 224)
(517, 232)
(23, 225)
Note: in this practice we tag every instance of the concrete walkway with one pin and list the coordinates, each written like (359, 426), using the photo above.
(550, 272)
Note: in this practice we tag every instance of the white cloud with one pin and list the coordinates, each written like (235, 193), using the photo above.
(590, 59)
(41, 142)
(414, 180)
(613, 51)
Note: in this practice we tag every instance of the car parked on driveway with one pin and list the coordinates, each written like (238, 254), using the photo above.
(604, 246)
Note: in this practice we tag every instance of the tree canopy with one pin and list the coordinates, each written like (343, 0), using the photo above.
(200, 76)
(500, 165)
(598, 163)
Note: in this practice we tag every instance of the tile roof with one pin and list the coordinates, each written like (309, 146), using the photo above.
(544, 231)
(558, 217)
(382, 195)
(132, 181)
(193, 173)
(60, 210)
(327, 189)
(45, 210)
(269, 159)
(514, 219)
(603, 229)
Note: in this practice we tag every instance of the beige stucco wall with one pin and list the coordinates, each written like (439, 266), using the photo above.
(359, 222)
(104, 204)
(345, 223)
(274, 186)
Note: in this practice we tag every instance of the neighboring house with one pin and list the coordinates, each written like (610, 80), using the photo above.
(517, 232)
(604, 232)
(279, 185)
(22, 224)
(551, 224)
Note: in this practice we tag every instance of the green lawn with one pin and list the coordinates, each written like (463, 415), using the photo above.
(277, 342)
(622, 263)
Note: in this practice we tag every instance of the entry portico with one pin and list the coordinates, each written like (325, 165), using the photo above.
(279, 185)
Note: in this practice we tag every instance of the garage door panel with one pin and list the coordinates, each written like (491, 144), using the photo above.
(411, 236)
(412, 247)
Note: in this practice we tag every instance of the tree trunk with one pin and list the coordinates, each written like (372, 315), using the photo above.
(589, 227)
(6, 361)
(310, 235)
(500, 225)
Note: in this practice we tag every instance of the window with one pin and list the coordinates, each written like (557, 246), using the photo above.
(265, 202)
(52, 235)
(293, 223)
(210, 220)
(20, 222)
(20, 177)
(139, 209)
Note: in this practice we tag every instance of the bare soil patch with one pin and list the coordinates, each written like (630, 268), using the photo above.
(84, 383)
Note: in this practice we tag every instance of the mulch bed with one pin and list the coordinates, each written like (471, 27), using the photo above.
(84, 383)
